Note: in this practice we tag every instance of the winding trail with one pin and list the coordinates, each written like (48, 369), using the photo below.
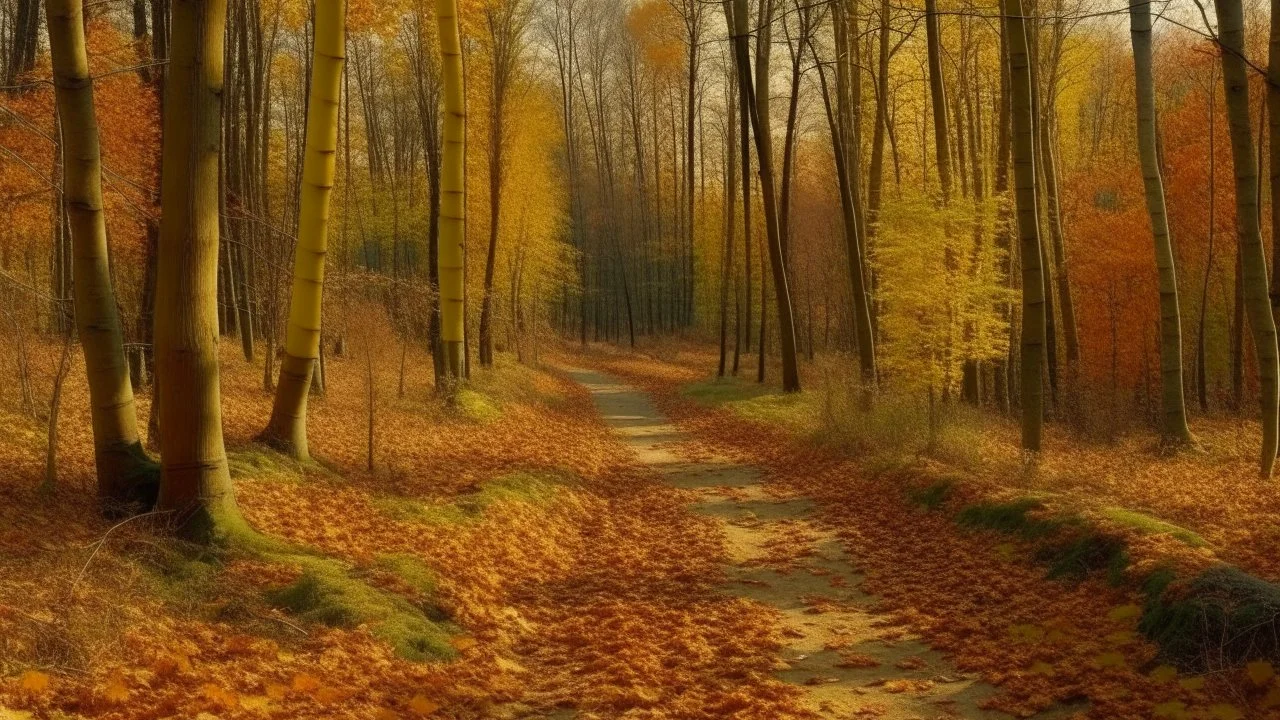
(849, 664)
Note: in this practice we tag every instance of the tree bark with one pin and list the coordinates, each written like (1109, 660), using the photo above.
(1174, 426)
(453, 208)
(195, 485)
(759, 106)
(126, 476)
(287, 429)
(1253, 261)
(1033, 285)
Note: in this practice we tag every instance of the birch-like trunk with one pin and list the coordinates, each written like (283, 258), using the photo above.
(125, 473)
(287, 429)
(1173, 428)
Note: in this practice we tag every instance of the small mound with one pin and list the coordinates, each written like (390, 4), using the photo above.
(328, 594)
(1222, 618)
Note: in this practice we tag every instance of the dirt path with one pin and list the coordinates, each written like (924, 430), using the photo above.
(847, 662)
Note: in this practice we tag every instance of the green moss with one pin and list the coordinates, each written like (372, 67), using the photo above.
(476, 406)
(260, 462)
(1223, 617)
(722, 390)
(183, 575)
(1080, 556)
(1153, 526)
(931, 497)
(328, 593)
(518, 487)
(410, 569)
(757, 402)
(1010, 517)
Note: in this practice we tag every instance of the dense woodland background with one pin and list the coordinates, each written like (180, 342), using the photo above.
(599, 141)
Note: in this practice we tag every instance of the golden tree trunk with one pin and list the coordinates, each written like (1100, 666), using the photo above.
(195, 486)
(125, 474)
(287, 429)
(453, 207)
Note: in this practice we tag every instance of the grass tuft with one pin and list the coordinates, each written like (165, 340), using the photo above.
(327, 593)
(1009, 517)
(1092, 552)
(526, 487)
(476, 406)
(1153, 526)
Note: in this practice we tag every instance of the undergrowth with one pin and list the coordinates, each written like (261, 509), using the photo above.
(190, 577)
(535, 488)
(1221, 618)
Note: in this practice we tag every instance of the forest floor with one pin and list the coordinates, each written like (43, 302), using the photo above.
(557, 544)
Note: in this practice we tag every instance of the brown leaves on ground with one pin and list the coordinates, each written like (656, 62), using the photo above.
(599, 595)
(1041, 642)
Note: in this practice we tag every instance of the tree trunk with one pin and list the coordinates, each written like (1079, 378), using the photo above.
(126, 475)
(1253, 261)
(1033, 285)
(875, 189)
(858, 282)
(759, 107)
(287, 429)
(453, 209)
(937, 97)
(1174, 427)
(195, 485)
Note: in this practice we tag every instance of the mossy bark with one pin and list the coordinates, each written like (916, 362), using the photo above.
(195, 485)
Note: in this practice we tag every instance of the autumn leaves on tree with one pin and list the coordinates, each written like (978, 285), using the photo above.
(963, 263)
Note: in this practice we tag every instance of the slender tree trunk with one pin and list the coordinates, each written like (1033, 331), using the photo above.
(1033, 285)
(875, 187)
(1273, 129)
(452, 192)
(730, 220)
(858, 281)
(125, 474)
(1253, 261)
(758, 107)
(938, 98)
(1174, 427)
(1202, 384)
(195, 485)
(287, 429)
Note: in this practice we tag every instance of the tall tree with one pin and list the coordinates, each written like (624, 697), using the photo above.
(1024, 172)
(24, 36)
(125, 473)
(453, 204)
(1173, 429)
(758, 106)
(195, 485)
(287, 429)
(837, 109)
(937, 97)
(1253, 261)
(506, 21)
